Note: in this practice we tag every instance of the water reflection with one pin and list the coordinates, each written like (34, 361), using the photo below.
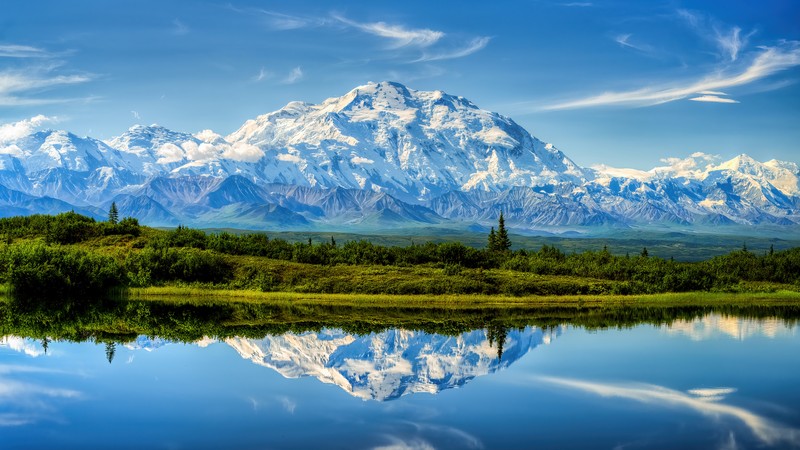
(243, 391)
(384, 366)
(23, 345)
(703, 401)
(23, 402)
(739, 328)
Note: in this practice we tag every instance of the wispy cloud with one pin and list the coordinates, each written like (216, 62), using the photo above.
(14, 84)
(179, 28)
(22, 51)
(136, 115)
(475, 45)
(728, 39)
(625, 41)
(399, 34)
(287, 403)
(280, 21)
(578, 4)
(294, 76)
(769, 61)
(262, 75)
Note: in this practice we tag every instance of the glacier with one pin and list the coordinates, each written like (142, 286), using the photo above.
(381, 156)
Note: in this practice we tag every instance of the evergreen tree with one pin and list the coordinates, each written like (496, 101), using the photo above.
(492, 245)
(645, 254)
(113, 214)
(502, 242)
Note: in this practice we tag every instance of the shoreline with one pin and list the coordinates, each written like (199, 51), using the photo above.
(456, 301)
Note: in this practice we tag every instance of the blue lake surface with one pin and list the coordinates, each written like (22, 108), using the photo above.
(716, 381)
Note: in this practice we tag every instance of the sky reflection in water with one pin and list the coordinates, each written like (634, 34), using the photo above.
(713, 382)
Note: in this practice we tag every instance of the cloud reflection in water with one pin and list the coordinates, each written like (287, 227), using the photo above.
(704, 401)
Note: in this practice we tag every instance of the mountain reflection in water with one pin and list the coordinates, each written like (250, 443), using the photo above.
(384, 366)
(662, 377)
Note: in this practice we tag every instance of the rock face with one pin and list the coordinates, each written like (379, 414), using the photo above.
(379, 156)
(387, 365)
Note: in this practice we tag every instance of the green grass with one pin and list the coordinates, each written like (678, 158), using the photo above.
(450, 301)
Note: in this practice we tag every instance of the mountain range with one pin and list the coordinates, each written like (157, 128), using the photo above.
(379, 157)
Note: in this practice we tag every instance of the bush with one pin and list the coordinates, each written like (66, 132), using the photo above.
(41, 271)
(152, 265)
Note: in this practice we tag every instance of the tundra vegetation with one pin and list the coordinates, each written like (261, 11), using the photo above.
(43, 256)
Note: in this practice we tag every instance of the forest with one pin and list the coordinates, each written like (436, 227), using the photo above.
(44, 256)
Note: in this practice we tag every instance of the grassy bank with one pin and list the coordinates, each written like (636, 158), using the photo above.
(74, 256)
(180, 294)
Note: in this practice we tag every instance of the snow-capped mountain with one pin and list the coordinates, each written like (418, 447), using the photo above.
(412, 144)
(380, 156)
(384, 366)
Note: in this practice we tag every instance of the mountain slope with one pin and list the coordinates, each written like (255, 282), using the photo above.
(381, 156)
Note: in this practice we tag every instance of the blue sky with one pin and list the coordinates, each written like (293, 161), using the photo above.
(625, 83)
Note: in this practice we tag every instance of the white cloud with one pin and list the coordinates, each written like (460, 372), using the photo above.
(473, 46)
(287, 157)
(361, 160)
(712, 93)
(401, 35)
(194, 152)
(243, 152)
(578, 4)
(713, 99)
(22, 51)
(13, 131)
(213, 146)
(769, 61)
(169, 153)
(208, 136)
(691, 167)
(294, 76)
(136, 115)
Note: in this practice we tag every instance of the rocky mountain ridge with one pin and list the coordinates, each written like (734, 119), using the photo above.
(381, 156)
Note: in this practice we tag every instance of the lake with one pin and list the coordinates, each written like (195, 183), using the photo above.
(134, 375)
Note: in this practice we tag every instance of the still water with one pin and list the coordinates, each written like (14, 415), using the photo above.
(715, 381)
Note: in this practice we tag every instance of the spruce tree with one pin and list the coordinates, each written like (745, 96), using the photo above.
(113, 214)
(502, 242)
(492, 245)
